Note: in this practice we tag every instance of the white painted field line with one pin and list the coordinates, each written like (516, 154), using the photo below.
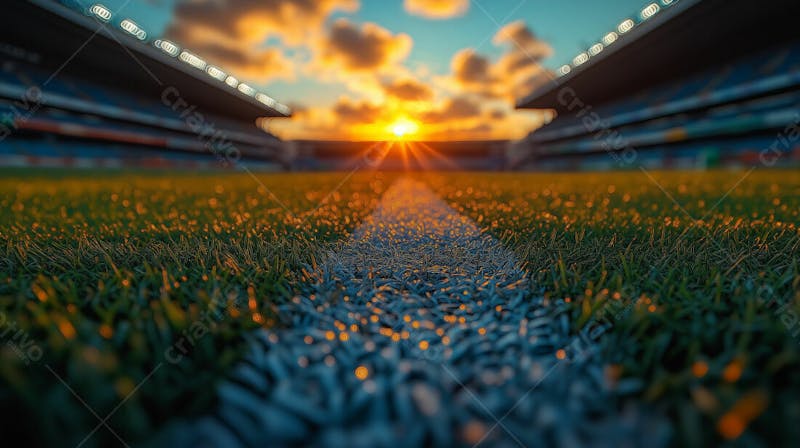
(419, 331)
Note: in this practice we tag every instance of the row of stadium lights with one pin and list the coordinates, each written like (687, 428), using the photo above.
(625, 26)
(129, 26)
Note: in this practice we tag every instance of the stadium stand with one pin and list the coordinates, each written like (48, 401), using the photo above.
(486, 155)
(688, 83)
(80, 88)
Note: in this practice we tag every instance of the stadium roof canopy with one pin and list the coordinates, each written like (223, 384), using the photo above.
(69, 42)
(679, 39)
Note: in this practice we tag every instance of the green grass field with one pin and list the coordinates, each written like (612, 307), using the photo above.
(103, 274)
(106, 277)
(700, 284)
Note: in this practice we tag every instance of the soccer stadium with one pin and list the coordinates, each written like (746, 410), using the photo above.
(346, 223)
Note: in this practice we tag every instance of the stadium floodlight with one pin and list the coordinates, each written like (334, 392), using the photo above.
(246, 89)
(167, 47)
(595, 49)
(133, 29)
(580, 59)
(282, 108)
(610, 38)
(650, 10)
(266, 99)
(192, 59)
(216, 73)
(564, 69)
(667, 2)
(231, 81)
(101, 12)
(625, 26)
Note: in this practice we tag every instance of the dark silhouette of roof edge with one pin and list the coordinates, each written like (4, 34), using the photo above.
(103, 46)
(686, 38)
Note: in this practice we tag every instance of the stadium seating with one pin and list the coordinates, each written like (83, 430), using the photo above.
(58, 117)
(738, 107)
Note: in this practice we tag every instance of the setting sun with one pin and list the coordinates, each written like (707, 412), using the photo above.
(403, 128)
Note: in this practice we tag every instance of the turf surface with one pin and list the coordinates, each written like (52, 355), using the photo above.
(106, 273)
(696, 274)
(105, 278)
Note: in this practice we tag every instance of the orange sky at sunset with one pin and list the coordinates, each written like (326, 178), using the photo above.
(368, 65)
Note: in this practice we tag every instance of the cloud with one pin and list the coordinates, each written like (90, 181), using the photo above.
(522, 61)
(469, 67)
(368, 48)
(514, 74)
(474, 73)
(252, 21)
(466, 117)
(458, 108)
(408, 89)
(346, 119)
(307, 123)
(521, 39)
(348, 111)
(498, 114)
(436, 9)
(230, 33)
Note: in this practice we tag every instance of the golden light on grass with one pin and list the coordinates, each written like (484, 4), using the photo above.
(474, 432)
(699, 369)
(106, 331)
(66, 328)
(733, 371)
(361, 373)
(734, 422)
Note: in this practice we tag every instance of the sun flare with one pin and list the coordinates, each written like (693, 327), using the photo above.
(403, 128)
